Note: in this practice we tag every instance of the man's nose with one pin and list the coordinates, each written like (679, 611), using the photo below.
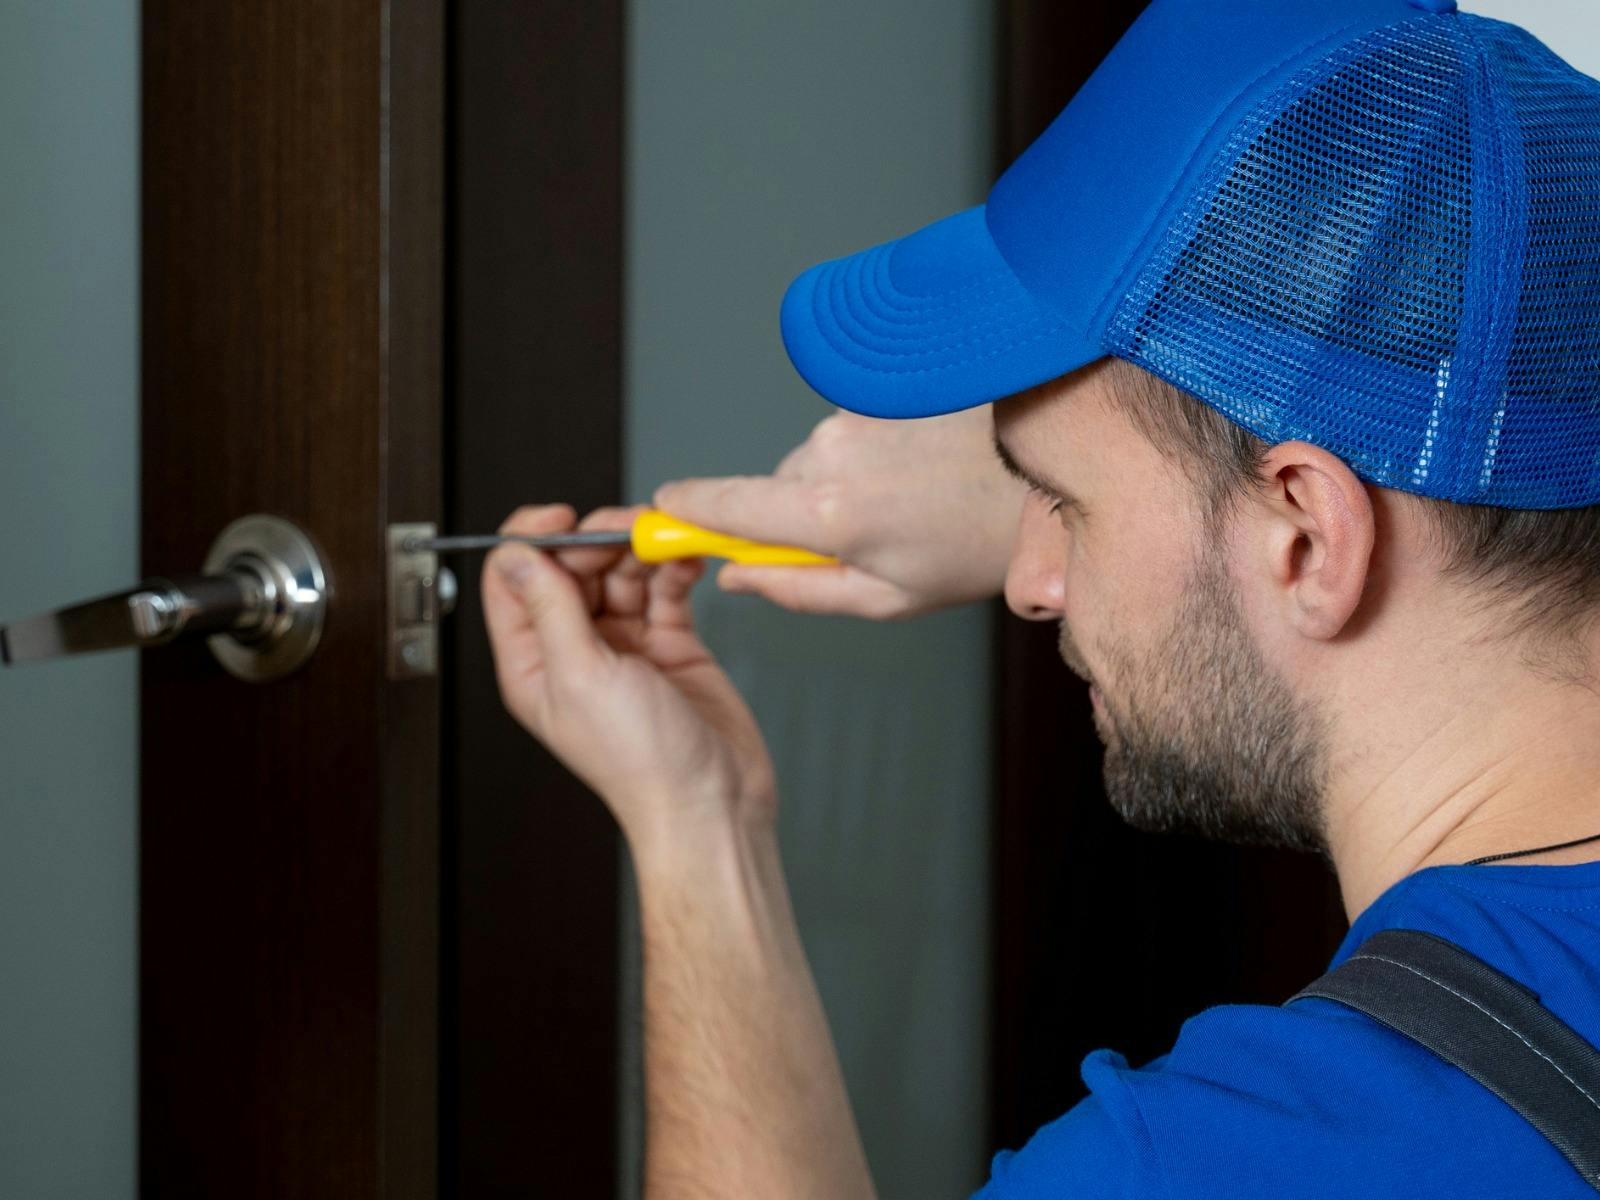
(1036, 582)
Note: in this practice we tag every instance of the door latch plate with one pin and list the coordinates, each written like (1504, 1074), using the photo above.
(414, 604)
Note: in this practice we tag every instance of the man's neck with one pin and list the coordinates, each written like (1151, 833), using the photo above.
(1516, 768)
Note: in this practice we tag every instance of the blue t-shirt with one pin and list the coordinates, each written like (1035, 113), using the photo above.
(1316, 1100)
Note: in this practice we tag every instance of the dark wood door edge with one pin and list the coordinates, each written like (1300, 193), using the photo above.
(412, 356)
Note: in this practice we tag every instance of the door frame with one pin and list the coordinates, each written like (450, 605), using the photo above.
(530, 1066)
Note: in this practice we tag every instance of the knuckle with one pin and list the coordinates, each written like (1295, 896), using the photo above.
(532, 518)
(726, 492)
(518, 518)
(701, 500)
(828, 510)
(610, 517)
(540, 609)
(831, 435)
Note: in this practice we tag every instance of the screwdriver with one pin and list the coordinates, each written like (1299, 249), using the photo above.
(654, 538)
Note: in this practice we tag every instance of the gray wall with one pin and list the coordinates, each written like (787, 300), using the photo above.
(1569, 27)
(68, 530)
(765, 137)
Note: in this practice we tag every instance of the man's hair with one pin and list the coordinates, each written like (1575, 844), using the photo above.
(1541, 566)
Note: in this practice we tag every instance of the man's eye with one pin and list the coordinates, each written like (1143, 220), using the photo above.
(1057, 503)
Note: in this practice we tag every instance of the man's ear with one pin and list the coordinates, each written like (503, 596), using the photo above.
(1318, 535)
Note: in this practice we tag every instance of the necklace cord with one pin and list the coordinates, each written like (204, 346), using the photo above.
(1489, 858)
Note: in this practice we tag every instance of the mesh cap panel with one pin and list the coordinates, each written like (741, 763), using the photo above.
(1553, 407)
(1397, 258)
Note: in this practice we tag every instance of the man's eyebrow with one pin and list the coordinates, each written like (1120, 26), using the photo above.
(1018, 471)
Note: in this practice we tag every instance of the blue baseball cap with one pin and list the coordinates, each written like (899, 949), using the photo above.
(1370, 224)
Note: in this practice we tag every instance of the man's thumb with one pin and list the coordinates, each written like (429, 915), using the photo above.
(553, 601)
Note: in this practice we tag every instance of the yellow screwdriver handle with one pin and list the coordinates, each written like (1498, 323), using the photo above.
(659, 538)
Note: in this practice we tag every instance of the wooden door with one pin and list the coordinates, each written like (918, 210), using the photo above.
(291, 331)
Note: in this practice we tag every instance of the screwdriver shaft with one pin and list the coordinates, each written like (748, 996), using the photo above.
(547, 541)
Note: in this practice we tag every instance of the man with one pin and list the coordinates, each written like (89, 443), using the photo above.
(1287, 326)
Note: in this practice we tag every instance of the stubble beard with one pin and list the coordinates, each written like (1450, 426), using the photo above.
(1202, 736)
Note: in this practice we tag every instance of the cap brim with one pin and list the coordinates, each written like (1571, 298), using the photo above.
(928, 324)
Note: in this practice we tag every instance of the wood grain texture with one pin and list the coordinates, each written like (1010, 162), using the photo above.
(535, 415)
(291, 319)
(1104, 936)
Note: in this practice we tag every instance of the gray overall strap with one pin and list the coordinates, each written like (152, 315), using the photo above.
(1483, 1022)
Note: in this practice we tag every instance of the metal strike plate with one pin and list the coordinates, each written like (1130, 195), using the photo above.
(420, 592)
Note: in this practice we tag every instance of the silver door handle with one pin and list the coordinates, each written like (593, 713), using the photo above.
(263, 598)
(156, 611)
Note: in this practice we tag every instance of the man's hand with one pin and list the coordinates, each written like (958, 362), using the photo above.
(597, 657)
(921, 513)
